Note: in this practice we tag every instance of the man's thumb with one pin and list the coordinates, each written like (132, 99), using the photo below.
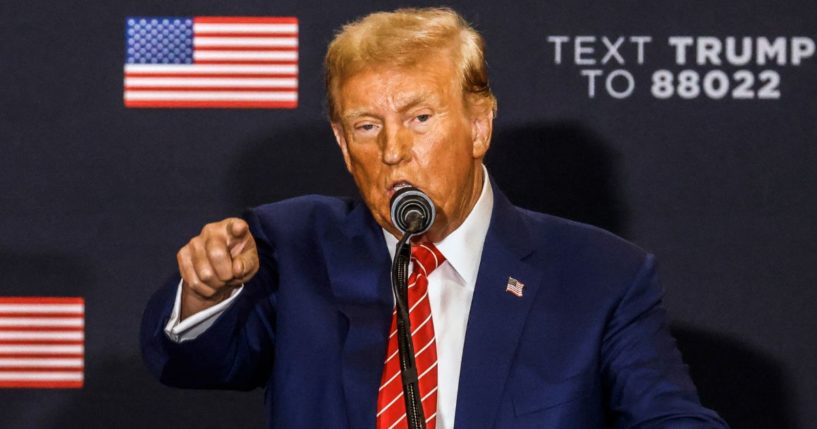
(238, 267)
(245, 265)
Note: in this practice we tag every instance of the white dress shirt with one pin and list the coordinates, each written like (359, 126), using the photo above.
(450, 291)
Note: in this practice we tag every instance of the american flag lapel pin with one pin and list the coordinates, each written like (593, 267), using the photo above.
(515, 287)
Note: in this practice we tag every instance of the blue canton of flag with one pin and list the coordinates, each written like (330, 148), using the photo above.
(160, 41)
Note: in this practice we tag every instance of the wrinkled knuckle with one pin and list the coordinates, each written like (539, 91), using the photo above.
(185, 250)
(215, 248)
(207, 228)
(206, 274)
(217, 254)
(196, 286)
(225, 276)
(194, 242)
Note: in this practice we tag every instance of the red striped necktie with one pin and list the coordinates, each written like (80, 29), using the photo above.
(391, 407)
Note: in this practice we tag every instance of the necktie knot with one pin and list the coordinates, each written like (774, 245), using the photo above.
(427, 257)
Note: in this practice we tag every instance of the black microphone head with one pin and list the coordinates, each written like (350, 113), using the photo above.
(412, 211)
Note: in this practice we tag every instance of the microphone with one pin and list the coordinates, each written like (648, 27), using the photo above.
(412, 211)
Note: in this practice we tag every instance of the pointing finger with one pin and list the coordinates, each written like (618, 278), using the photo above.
(238, 228)
(238, 233)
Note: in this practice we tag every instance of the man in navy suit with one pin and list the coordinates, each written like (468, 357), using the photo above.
(539, 322)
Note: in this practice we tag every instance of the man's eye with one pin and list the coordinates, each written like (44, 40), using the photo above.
(423, 118)
(366, 127)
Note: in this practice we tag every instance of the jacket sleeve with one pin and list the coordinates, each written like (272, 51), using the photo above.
(237, 351)
(646, 381)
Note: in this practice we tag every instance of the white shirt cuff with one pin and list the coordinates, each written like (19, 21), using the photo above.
(195, 325)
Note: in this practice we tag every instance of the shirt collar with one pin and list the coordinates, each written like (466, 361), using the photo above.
(463, 247)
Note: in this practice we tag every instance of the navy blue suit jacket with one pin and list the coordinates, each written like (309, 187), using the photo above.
(586, 346)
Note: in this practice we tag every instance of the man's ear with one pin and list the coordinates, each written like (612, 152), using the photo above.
(482, 125)
(340, 138)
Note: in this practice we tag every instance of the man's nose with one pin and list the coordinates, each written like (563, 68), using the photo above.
(396, 145)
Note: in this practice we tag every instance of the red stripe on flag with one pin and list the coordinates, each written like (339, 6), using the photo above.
(217, 104)
(42, 384)
(248, 48)
(245, 20)
(249, 63)
(233, 34)
(133, 89)
(40, 300)
(214, 75)
(41, 328)
(75, 369)
(42, 342)
(40, 355)
(49, 315)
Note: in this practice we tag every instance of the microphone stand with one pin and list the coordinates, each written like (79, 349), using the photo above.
(408, 368)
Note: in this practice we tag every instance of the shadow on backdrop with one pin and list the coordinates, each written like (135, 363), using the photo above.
(119, 392)
(746, 387)
(43, 272)
(562, 169)
(287, 163)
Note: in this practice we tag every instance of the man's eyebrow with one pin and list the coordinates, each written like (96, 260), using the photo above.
(354, 114)
(415, 100)
(402, 106)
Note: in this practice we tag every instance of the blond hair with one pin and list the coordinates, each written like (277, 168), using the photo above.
(403, 38)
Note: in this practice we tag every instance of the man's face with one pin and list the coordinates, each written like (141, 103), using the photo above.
(411, 126)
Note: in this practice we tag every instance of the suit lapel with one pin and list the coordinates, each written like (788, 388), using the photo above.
(497, 317)
(358, 268)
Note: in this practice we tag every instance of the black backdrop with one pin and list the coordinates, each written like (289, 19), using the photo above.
(96, 198)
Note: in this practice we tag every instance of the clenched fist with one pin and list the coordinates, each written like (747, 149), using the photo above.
(213, 263)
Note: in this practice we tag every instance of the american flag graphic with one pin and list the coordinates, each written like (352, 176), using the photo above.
(42, 342)
(234, 62)
(515, 287)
